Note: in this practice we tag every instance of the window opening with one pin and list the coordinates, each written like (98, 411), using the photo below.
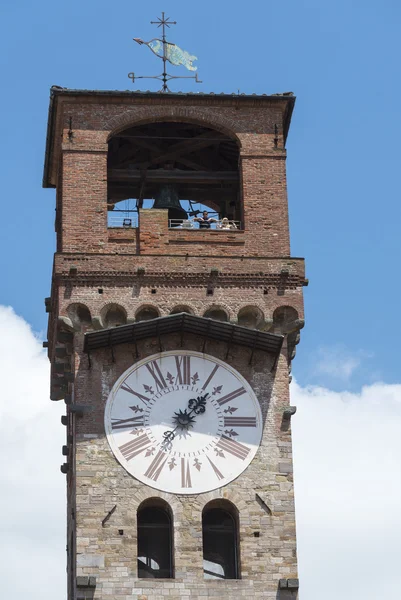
(146, 313)
(154, 543)
(184, 167)
(215, 313)
(220, 545)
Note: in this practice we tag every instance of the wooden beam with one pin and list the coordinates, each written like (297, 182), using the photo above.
(185, 147)
(172, 176)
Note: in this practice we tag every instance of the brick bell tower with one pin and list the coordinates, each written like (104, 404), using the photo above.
(171, 342)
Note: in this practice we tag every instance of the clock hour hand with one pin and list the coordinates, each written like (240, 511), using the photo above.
(183, 420)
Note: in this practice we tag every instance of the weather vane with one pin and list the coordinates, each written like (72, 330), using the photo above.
(168, 52)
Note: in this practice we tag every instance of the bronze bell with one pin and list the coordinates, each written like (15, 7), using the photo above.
(167, 197)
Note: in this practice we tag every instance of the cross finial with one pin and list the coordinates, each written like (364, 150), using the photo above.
(163, 22)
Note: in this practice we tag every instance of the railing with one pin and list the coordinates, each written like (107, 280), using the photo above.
(220, 225)
(124, 218)
(129, 220)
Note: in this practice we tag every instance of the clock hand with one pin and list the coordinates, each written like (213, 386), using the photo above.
(184, 419)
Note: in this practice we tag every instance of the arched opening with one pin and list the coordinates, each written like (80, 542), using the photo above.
(286, 319)
(115, 316)
(181, 309)
(220, 541)
(80, 316)
(146, 313)
(216, 313)
(185, 167)
(155, 540)
(251, 316)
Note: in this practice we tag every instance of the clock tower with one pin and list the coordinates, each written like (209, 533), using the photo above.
(174, 315)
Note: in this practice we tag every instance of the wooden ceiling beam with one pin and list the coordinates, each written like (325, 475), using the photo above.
(172, 176)
(187, 146)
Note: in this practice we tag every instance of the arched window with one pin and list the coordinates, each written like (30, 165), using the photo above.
(251, 316)
(146, 313)
(155, 543)
(80, 316)
(173, 153)
(220, 543)
(216, 313)
(115, 316)
(181, 309)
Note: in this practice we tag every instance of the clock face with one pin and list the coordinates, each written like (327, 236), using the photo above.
(183, 422)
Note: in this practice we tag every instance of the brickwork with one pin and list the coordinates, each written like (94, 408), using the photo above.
(84, 160)
(97, 270)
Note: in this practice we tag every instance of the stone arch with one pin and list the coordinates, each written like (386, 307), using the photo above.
(80, 316)
(113, 315)
(251, 316)
(155, 501)
(216, 495)
(286, 319)
(146, 312)
(142, 496)
(142, 115)
(182, 308)
(217, 313)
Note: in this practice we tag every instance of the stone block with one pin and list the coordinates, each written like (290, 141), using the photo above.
(90, 560)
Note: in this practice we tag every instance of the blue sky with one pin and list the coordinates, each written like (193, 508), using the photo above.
(341, 59)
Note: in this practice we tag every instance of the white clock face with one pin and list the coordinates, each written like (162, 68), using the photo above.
(183, 422)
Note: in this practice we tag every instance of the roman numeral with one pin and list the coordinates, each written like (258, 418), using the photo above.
(233, 447)
(218, 474)
(185, 474)
(126, 423)
(157, 375)
(239, 421)
(209, 379)
(135, 447)
(183, 370)
(156, 466)
(129, 389)
(231, 396)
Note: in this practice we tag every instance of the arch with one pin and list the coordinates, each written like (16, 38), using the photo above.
(113, 315)
(251, 316)
(80, 316)
(146, 312)
(181, 308)
(220, 527)
(157, 114)
(284, 314)
(217, 313)
(174, 150)
(155, 539)
(286, 319)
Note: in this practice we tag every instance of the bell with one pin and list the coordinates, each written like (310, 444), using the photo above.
(167, 197)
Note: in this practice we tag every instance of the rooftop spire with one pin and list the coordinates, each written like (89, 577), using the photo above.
(168, 52)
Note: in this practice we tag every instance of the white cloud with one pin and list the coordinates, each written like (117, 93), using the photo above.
(347, 451)
(337, 362)
(32, 499)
